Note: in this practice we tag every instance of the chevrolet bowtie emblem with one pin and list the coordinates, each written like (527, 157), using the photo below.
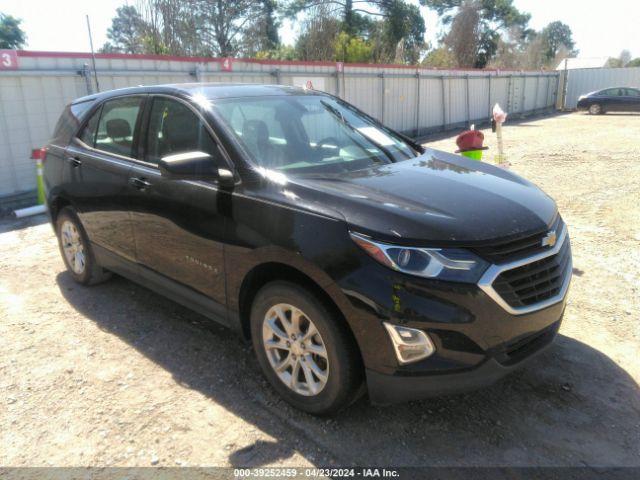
(550, 239)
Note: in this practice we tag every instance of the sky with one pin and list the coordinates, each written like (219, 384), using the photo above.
(60, 25)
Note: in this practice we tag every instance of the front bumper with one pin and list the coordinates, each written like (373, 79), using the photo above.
(477, 340)
(388, 389)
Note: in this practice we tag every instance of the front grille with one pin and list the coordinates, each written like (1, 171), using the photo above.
(537, 281)
(522, 247)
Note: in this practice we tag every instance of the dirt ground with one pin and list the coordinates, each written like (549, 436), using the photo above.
(115, 375)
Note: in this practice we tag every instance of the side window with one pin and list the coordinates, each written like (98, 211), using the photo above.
(70, 120)
(117, 124)
(175, 128)
(633, 93)
(88, 135)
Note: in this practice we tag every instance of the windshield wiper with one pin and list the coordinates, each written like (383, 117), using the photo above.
(338, 114)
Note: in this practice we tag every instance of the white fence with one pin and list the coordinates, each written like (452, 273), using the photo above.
(414, 101)
(586, 80)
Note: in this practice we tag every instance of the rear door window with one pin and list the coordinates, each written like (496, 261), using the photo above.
(117, 126)
(69, 121)
(88, 134)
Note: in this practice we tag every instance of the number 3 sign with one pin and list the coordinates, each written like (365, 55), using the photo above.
(8, 60)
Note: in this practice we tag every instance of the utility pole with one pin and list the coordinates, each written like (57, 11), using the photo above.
(93, 56)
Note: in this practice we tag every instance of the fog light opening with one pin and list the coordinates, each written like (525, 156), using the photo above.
(410, 344)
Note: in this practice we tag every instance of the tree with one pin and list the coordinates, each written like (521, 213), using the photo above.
(495, 16)
(126, 32)
(348, 48)
(194, 27)
(11, 35)
(440, 57)
(462, 39)
(404, 31)
(520, 51)
(622, 60)
(554, 36)
(261, 35)
(634, 63)
(223, 23)
(394, 29)
(319, 30)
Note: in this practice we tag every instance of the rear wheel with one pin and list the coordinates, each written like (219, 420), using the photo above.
(596, 109)
(76, 249)
(306, 353)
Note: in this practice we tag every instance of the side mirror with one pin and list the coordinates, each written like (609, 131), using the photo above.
(194, 166)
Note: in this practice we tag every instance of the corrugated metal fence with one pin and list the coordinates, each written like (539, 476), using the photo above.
(586, 80)
(414, 101)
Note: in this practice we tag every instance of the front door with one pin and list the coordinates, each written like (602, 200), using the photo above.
(98, 166)
(179, 224)
(632, 100)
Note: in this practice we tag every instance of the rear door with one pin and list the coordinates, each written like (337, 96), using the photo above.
(100, 161)
(179, 224)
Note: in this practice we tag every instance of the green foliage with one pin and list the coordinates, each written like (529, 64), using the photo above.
(391, 30)
(440, 57)
(127, 32)
(495, 16)
(11, 35)
(352, 49)
(555, 36)
(634, 63)
(283, 52)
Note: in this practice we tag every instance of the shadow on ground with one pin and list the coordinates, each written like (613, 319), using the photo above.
(570, 406)
(9, 224)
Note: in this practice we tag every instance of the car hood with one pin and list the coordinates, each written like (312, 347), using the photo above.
(435, 198)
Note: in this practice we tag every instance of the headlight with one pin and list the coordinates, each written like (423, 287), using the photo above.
(451, 264)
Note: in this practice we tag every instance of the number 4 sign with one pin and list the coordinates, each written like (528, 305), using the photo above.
(8, 60)
(226, 65)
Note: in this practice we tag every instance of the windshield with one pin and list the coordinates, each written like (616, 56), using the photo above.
(310, 134)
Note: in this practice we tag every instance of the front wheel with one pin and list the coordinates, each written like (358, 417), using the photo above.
(596, 109)
(307, 354)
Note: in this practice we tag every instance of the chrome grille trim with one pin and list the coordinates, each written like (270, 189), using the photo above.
(486, 281)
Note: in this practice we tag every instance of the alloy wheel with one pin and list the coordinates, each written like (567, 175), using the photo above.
(295, 349)
(72, 247)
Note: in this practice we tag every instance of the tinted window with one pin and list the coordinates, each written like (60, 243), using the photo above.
(175, 128)
(633, 93)
(88, 135)
(70, 120)
(117, 125)
(310, 134)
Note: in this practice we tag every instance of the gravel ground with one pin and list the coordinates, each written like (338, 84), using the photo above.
(115, 375)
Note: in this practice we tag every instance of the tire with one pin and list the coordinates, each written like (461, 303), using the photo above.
(341, 366)
(596, 109)
(72, 237)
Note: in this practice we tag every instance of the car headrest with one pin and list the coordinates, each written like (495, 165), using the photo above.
(181, 130)
(255, 132)
(118, 128)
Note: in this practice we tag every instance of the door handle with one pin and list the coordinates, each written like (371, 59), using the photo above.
(139, 183)
(74, 161)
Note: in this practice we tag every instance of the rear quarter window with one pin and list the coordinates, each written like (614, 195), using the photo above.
(70, 121)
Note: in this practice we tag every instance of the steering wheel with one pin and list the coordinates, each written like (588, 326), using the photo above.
(327, 140)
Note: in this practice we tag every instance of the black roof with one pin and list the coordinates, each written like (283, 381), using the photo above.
(208, 90)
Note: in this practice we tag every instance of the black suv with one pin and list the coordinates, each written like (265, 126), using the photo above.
(348, 254)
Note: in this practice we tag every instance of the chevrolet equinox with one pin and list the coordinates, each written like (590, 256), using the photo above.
(352, 258)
